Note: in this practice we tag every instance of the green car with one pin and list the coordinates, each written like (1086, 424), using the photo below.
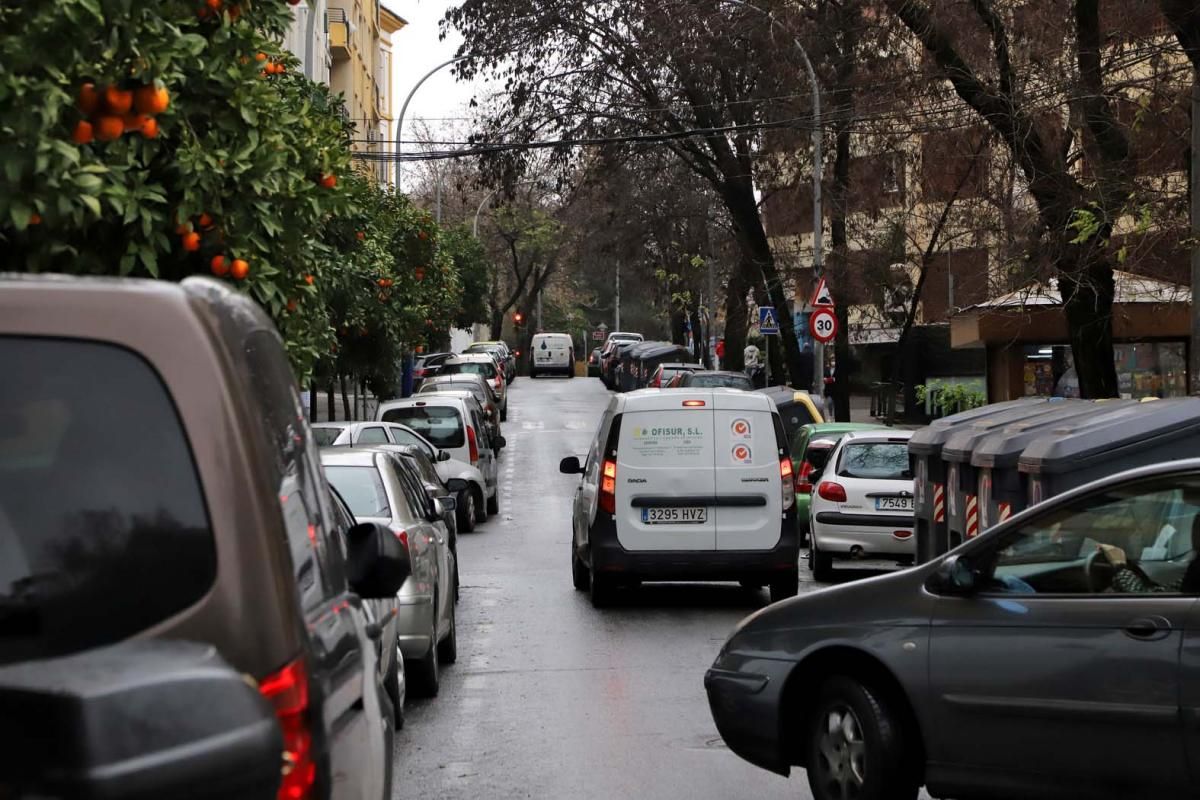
(828, 434)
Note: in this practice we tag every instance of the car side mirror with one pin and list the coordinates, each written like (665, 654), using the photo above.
(955, 576)
(446, 505)
(377, 563)
(144, 718)
(570, 466)
(501, 442)
(442, 455)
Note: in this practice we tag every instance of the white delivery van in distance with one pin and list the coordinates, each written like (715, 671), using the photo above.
(552, 353)
(686, 485)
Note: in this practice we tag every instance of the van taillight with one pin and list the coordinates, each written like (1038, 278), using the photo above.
(608, 487)
(833, 492)
(473, 443)
(803, 485)
(287, 691)
(785, 475)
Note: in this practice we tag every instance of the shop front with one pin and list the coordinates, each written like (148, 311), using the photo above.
(1026, 340)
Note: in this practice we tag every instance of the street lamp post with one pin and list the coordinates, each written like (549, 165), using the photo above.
(407, 100)
(818, 255)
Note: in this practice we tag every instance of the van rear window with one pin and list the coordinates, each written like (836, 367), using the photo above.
(441, 425)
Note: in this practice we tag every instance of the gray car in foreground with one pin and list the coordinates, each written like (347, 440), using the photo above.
(1056, 655)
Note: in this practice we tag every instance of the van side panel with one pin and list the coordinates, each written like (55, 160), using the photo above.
(664, 460)
(747, 472)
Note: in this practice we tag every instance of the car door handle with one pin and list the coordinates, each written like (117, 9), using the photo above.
(1148, 629)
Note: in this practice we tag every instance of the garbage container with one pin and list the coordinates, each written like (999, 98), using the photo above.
(962, 489)
(929, 473)
(1002, 487)
(1133, 436)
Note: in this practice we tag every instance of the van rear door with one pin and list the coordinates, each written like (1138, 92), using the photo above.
(747, 477)
(664, 474)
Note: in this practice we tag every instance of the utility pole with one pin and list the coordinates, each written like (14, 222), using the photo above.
(1194, 346)
(539, 311)
(617, 321)
(711, 341)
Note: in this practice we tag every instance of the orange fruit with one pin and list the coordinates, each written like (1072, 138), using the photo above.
(240, 269)
(292, 305)
(219, 266)
(206, 220)
(422, 235)
(117, 100)
(361, 235)
(191, 242)
(202, 12)
(215, 5)
(309, 279)
(235, 12)
(89, 98)
(151, 99)
(329, 181)
(35, 218)
(260, 57)
(382, 283)
(149, 127)
(132, 122)
(83, 133)
(109, 128)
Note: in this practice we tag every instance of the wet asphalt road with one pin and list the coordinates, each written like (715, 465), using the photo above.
(551, 698)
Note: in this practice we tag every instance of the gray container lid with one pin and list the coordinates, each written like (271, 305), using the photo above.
(961, 445)
(1140, 426)
(928, 441)
(1001, 449)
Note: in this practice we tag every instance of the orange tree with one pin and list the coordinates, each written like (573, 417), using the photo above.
(175, 138)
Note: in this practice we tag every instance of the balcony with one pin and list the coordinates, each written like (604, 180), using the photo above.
(337, 25)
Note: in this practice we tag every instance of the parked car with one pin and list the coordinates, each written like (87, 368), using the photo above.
(811, 446)
(211, 524)
(380, 487)
(455, 423)
(707, 379)
(1052, 656)
(437, 489)
(863, 503)
(552, 353)
(797, 408)
(485, 366)
(500, 350)
(594, 363)
(427, 366)
(464, 382)
(355, 434)
(610, 361)
(693, 485)
(623, 336)
(662, 375)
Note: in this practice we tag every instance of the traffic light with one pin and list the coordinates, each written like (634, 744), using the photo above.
(518, 318)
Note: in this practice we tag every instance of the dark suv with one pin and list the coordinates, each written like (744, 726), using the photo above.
(158, 481)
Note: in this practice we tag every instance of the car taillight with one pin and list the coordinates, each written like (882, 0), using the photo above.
(785, 474)
(473, 443)
(402, 536)
(287, 691)
(803, 485)
(833, 492)
(608, 487)
(419, 372)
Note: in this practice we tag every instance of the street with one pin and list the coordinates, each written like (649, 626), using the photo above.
(551, 698)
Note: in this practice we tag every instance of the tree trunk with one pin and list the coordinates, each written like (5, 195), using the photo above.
(1087, 302)
(497, 323)
(735, 321)
(330, 406)
(699, 338)
(345, 399)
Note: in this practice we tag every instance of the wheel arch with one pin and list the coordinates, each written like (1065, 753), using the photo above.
(799, 698)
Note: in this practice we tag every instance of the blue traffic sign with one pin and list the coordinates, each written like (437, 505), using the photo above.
(768, 321)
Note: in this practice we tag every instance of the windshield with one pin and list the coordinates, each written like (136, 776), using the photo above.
(408, 437)
(720, 381)
(362, 489)
(441, 425)
(485, 368)
(325, 437)
(457, 386)
(881, 460)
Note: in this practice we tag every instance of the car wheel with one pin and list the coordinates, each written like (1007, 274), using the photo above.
(532, 374)
(580, 575)
(571, 370)
(391, 685)
(493, 503)
(820, 563)
(786, 585)
(456, 593)
(448, 647)
(856, 746)
(480, 506)
(466, 511)
(426, 673)
(601, 589)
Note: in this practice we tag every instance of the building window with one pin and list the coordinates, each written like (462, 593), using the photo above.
(1144, 369)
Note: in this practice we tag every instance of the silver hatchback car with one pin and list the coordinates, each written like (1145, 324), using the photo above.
(379, 486)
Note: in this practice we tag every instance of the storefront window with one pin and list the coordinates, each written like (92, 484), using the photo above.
(1144, 369)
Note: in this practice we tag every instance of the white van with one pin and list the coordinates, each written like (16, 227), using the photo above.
(552, 353)
(686, 485)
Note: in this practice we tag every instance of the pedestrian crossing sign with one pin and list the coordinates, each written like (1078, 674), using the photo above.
(768, 321)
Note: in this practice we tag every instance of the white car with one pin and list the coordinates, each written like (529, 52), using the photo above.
(485, 366)
(454, 422)
(552, 353)
(460, 476)
(862, 504)
(686, 485)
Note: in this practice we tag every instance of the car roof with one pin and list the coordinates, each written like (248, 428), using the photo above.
(431, 399)
(680, 365)
(879, 435)
(819, 428)
(350, 456)
(455, 377)
(722, 398)
(723, 372)
(544, 335)
(470, 358)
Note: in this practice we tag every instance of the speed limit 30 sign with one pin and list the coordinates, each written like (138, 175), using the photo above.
(823, 325)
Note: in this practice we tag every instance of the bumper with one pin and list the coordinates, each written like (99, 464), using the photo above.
(840, 533)
(412, 626)
(744, 701)
(608, 556)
